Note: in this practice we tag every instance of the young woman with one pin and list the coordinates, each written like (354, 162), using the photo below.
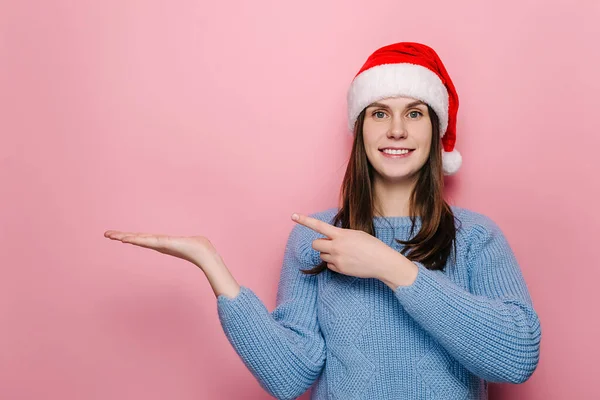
(394, 294)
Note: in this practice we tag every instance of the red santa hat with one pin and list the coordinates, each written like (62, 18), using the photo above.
(411, 70)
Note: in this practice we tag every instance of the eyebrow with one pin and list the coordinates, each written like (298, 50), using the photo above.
(409, 105)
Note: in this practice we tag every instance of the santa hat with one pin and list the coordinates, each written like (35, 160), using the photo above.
(411, 70)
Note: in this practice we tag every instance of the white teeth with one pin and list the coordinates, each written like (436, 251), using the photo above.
(388, 151)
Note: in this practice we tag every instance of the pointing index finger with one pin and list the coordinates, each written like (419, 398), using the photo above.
(316, 225)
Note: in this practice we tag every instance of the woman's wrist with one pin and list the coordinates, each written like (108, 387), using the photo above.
(220, 278)
(399, 272)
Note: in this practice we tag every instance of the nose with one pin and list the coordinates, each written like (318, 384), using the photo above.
(397, 128)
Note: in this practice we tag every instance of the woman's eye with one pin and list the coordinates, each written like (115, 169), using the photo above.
(379, 114)
(415, 114)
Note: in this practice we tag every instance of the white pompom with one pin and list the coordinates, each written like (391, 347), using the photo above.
(451, 162)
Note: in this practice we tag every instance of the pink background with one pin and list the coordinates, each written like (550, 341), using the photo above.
(221, 119)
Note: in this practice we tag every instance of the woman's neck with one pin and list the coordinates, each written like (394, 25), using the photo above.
(392, 199)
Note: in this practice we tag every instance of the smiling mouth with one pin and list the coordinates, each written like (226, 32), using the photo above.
(400, 154)
(398, 151)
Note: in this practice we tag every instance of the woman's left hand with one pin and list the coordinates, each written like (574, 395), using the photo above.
(356, 253)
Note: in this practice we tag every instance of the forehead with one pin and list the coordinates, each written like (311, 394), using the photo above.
(396, 101)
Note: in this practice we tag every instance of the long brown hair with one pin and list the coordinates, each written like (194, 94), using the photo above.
(433, 243)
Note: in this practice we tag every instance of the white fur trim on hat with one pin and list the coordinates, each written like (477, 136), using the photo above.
(390, 80)
(451, 162)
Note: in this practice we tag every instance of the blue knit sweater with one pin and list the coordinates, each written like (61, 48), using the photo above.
(443, 337)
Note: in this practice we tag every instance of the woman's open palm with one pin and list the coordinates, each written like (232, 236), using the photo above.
(195, 249)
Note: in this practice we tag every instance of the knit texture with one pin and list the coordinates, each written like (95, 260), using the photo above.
(443, 337)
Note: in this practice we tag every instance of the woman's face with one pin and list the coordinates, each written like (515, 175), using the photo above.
(397, 123)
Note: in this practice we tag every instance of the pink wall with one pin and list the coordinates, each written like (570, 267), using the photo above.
(223, 118)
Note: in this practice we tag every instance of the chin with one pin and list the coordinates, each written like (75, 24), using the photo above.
(396, 175)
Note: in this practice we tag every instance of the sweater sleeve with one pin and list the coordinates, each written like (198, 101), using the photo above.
(491, 329)
(284, 349)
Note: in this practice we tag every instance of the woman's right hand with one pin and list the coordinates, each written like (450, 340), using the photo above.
(195, 249)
